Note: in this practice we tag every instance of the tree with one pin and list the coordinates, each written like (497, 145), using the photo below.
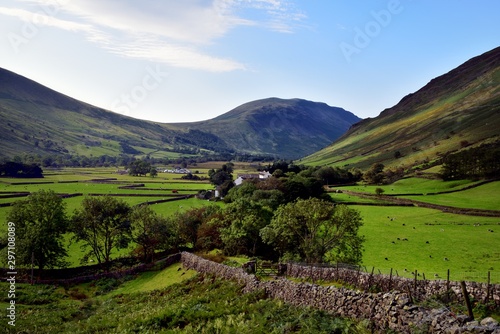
(379, 191)
(314, 230)
(375, 175)
(40, 223)
(151, 232)
(153, 172)
(102, 223)
(139, 167)
(240, 226)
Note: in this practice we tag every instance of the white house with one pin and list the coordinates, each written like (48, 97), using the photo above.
(243, 177)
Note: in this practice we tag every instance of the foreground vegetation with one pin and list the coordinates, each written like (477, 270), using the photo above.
(195, 305)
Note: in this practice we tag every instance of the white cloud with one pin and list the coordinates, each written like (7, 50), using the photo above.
(169, 31)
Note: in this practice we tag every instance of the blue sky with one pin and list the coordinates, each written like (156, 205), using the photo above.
(190, 60)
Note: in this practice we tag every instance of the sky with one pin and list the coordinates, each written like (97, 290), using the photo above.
(191, 60)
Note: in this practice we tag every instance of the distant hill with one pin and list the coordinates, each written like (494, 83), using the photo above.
(288, 128)
(39, 120)
(458, 109)
(35, 119)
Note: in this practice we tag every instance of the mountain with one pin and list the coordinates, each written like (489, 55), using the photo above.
(39, 120)
(35, 119)
(458, 109)
(289, 128)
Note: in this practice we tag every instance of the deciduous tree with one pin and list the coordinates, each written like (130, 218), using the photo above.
(315, 231)
(151, 232)
(103, 224)
(40, 223)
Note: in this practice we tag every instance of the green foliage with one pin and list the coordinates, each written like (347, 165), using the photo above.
(240, 226)
(198, 305)
(151, 232)
(375, 175)
(139, 167)
(39, 223)
(189, 222)
(379, 191)
(222, 178)
(315, 231)
(102, 223)
(20, 170)
(479, 162)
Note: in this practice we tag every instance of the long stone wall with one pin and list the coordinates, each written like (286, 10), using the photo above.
(391, 310)
(417, 289)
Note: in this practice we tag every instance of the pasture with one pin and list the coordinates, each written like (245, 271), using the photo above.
(430, 242)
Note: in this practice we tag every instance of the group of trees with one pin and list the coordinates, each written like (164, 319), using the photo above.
(17, 169)
(141, 167)
(256, 222)
(479, 162)
(222, 178)
(124, 159)
(102, 224)
(378, 174)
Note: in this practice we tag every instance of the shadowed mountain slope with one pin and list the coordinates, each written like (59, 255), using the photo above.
(457, 109)
(289, 128)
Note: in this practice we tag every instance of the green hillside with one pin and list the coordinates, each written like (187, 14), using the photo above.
(38, 120)
(458, 109)
(287, 128)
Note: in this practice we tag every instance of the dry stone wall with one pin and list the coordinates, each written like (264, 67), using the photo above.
(420, 289)
(391, 310)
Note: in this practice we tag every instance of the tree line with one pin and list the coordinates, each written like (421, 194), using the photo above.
(20, 170)
(478, 162)
(122, 160)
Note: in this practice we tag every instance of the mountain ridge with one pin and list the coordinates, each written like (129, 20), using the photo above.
(456, 109)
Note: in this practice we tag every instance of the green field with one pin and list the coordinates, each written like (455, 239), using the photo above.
(432, 236)
(413, 185)
(484, 197)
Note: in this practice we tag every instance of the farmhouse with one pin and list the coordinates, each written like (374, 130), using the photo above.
(243, 177)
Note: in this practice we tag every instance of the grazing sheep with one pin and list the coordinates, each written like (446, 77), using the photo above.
(446, 259)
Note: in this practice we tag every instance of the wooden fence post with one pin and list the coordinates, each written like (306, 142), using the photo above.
(390, 281)
(415, 284)
(488, 288)
(467, 300)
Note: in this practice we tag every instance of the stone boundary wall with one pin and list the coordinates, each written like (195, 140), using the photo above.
(419, 290)
(391, 310)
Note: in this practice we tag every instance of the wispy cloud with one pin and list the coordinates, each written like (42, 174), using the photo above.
(170, 31)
